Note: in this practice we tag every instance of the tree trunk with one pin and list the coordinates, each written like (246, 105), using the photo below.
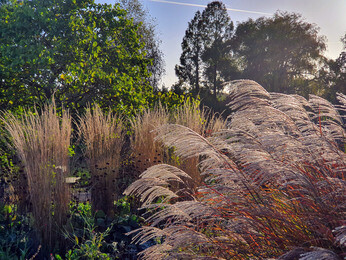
(197, 70)
(215, 87)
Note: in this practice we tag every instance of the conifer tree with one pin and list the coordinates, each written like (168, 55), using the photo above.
(206, 46)
(190, 59)
(217, 33)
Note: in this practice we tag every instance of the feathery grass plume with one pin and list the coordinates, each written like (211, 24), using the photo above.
(204, 122)
(42, 142)
(200, 120)
(342, 99)
(146, 151)
(328, 118)
(274, 186)
(103, 136)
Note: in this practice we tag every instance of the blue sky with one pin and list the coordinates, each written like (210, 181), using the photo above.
(172, 17)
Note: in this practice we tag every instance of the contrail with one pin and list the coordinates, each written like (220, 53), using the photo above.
(189, 4)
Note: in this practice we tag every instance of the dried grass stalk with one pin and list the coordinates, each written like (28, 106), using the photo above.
(202, 121)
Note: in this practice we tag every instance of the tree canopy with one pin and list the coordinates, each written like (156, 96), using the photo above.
(147, 28)
(275, 51)
(77, 50)
(333, 74)
(217, 57)
(284, 53)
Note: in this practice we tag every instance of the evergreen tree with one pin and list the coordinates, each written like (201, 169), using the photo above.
(206, 46)
(217, 57)
(190, 59)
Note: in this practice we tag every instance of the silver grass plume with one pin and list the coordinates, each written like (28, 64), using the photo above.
(342, 107)
(328, 117)
(274, 149)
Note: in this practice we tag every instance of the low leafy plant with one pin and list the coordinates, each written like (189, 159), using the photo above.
(97, 236)
(16, 234)
(86, 239)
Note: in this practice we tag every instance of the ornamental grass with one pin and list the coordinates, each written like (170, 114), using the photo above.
(42, 141)
(274, 183)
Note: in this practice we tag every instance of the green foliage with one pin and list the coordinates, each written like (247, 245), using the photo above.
(77, 50)
(7, 167)
(14, 234)
(87, 241)
(97, 236)
(170, 99)
(141, 17)
(217, 56)
(333, 74)
(190, 60)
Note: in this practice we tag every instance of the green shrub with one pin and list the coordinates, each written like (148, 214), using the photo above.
(16, 238)
(84, 236)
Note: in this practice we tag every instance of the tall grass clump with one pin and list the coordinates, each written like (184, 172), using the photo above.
(274, 184)
(42, 141)
(147, 152)
(103, 136)
(202, 121)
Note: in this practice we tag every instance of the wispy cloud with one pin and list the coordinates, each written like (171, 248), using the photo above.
(197, 5)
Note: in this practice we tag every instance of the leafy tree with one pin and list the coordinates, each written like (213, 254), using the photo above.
(147, 29)
(276, 51)
(191, 57)
(77, 50)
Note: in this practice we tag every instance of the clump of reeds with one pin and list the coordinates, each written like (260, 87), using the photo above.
(274, 184)
(42, 141)
(103, 137)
